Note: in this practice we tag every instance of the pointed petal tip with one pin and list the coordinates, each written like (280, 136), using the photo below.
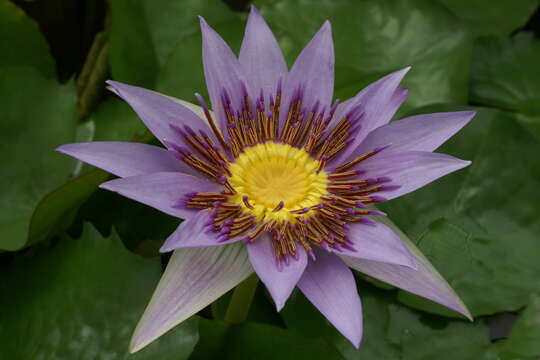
(202, 21)
(326, 29)
(402, 72)
(134, 347)
(115, 85)
(63, 149)
(462, 164)
(165, 249)
(112, 86)
(403, 92)
(469, 114)
(279, 305)
(356, 341)
(253, 10)
(106, 186)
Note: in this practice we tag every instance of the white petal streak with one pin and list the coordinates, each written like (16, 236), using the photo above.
(194, 278)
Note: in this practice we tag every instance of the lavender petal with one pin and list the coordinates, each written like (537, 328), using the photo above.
(193, 279)
(158, 111)
(313, 70)
(221, 71)
(161, 190)
(260, 57)
(410, 170)
(125, 158)
(425, 281)
(281, 281)
(329, 284)
(194, 232)
(378, 102)
(416, 133)
(377, 242)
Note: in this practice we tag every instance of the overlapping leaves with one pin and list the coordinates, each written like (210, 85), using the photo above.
(80, 298)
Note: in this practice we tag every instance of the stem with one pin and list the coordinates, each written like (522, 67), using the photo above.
(241, 300)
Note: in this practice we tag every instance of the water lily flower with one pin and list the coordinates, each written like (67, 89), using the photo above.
(279, 180)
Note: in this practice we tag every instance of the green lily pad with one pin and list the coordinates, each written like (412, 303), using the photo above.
(479, 227)
(392, 331)
(504, 73)
(496, 17)
(300, 315)
(257, 341)
(81, 299)
(114, 120)
(524, 338)
(37, 116)
(373, 38)
(142, 229)
(426, 338)
(171, 21)
(161, 26)
(21, 43)
(132, 58)
(182, 74)
(56, 211)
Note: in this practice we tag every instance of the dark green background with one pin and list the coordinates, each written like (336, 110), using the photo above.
(78, 265)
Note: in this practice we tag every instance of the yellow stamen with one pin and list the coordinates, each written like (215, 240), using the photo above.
(271, 173)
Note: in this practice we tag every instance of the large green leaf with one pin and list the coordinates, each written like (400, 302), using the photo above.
(21, 43)
(524, 338)
(160, 27)
(504, 73)
(81, 299)
(426, 338)
(142, 228)
(375, 37)
(300, 315)
(170, 21)
(392, 331)
(114, 120)
(182, 75)
(493, 17)
(37, 116)
(56, 210)
(132, 55)
(479, 227)
(220, 340)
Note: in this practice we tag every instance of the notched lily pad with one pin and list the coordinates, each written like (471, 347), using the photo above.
(81, 299)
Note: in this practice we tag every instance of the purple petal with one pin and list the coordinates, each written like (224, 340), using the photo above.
(193, 279)
(329, 284)
(399, 96)
(409, 170)
(158, 111)
(196, 109)
(378, 242)
(125, 158)
(416, 133)
(194, 232)
(425, 281)
(162, 190)
(260, 56)
(314, 71)
(280, 284)
(222, 71)
(378, 102)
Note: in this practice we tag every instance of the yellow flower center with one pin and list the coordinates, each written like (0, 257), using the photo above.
(270, 173)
